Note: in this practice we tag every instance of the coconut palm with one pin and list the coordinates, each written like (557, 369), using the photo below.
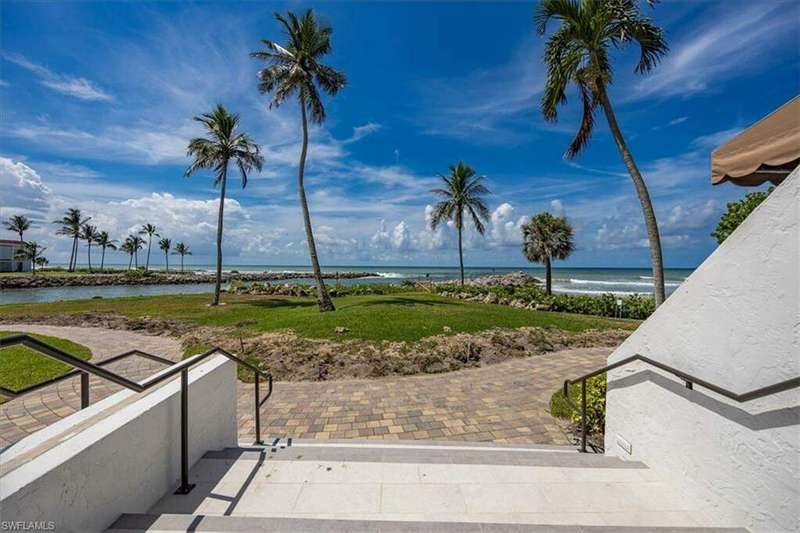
(41, 262)
(71, 224)
(30, 251)
(462, 195)
(578, 52)
(89, 234)
(223, 146)
(296, 68)
(181, 250)
(545, 238)
(104, 241)
(165, 245)
(150, 231)
(18, 224)
(131, 246)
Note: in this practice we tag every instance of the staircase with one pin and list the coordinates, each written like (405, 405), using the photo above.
(418, 487)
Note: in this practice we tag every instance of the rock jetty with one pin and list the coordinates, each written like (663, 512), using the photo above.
(158, 278)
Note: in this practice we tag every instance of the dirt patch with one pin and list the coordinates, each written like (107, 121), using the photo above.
(292, 358)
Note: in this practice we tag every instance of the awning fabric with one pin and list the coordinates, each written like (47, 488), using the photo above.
(763, 151)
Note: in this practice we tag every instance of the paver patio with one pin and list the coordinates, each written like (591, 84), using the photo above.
(507, 402)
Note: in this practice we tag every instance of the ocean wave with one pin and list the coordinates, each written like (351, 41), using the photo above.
(618, 283)
(392, 275)
(565, 290)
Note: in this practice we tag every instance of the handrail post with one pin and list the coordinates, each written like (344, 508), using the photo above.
(185, 487)
(583, 416)
(84, 390)
(258, 410)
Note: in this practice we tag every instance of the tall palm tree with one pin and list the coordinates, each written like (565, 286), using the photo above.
(545, 238)
(89, 234)
(32, 252)
(224, 145)
(462, 195)
(165, 244)
(150, 231)
(578, 52)
(297, 68)
(181, 250)
(104, 241)
(18, 224)
(71, 224)
(127, 247)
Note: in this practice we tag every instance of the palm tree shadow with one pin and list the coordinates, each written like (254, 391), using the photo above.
(404, 301)
(275, 303)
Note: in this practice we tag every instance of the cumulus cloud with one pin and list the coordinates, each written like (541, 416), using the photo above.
(505, 227)
(556, 208)
(24, 192)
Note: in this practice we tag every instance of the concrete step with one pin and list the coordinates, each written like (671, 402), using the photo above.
(427, 483)
(153, 523)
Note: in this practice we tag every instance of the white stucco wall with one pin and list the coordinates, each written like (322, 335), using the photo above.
(735, 323)
(120, 463)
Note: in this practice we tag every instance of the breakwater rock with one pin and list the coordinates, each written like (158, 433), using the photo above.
(157, 278)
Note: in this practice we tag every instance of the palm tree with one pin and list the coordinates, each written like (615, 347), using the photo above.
(71, 224)
(224, 145)
(18, 224)
(296, 68)
(32, 252)
(545, 238)
(132, 245)
(181, 250)
(578, 52)
(89, 234)
(104, 241)
(462, 195)
(149, 230)
(41, 262)
(165, 244)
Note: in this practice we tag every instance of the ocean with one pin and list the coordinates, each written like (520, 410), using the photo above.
(618, 281)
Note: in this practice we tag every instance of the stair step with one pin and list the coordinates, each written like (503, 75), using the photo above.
(129, 523)
(415, 452)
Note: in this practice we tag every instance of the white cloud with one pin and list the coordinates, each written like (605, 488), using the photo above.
(713, 140)
(557, 208)
(359, 132)
(72, 86)
(505, 229)
(24, 192)
(678, 120)
(729, 44)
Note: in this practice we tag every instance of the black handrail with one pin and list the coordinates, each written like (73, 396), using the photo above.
(688, 379)
(84, 368)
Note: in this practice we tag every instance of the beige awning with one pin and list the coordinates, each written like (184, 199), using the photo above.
(766, 151)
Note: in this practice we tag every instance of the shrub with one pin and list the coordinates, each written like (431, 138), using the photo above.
(595, 404)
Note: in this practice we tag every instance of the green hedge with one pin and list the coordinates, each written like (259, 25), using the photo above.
(595, 404)
(633, 306)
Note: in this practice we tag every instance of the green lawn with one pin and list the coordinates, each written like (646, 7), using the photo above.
(397, 317)
(20, 366)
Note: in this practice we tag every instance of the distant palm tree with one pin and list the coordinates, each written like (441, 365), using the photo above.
(297, 68)
(71, 224)
(89, 234)
(578, 52)
(462, 195)
(545, 238)
(30, 251)
(181, 250)
(18, 224)
(104, 241)
(132, 245)
(150, 231)
(165, 244)
(41, 262)
(225, 145)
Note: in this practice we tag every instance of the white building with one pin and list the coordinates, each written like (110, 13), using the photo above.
(8, 260)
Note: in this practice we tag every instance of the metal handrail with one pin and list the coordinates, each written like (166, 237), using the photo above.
(84, 368)
(688, 379)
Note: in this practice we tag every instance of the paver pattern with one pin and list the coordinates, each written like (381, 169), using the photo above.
(507, 402)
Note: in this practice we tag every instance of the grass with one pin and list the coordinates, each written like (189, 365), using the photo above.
(396, 317)
(21, 366)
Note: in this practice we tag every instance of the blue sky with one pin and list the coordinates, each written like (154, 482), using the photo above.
(97, 100)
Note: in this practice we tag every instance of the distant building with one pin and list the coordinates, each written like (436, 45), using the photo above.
(8, 260)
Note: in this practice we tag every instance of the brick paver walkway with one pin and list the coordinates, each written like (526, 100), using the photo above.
(32, 412)
(507, 402)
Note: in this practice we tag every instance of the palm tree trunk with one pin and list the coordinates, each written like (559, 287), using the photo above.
(103, 259)
(323, 299)
(460, 255)
(89, 255)
(548, 276)
(149, 244)
(644, 197)
(223, 184)
(73, 258)
(130, 262)
(166, 260)
(181, 263)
